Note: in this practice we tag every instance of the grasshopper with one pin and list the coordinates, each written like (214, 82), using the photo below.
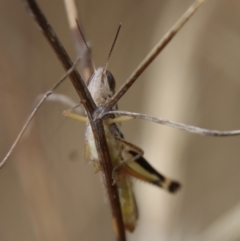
(127, 159)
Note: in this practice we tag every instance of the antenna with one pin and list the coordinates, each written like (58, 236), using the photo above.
(110, 52)
(85, 42)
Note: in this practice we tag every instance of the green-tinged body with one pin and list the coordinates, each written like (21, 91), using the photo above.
(127, 200)
(127, 159)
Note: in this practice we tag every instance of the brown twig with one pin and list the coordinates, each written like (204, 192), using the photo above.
(61, 53)
(152, 55)
(80, 45)
(90, 107)
(177, 125)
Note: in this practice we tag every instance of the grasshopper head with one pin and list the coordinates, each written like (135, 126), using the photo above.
(101, 86)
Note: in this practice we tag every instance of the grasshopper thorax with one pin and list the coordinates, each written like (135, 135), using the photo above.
(101, 86)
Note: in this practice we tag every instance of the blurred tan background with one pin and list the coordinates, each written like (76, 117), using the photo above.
(47, 192)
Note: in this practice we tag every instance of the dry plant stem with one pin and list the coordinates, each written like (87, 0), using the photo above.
(35, 111)
(90, 107)
(80, 46)
(177, 125)
(152, 55)
(61, 53)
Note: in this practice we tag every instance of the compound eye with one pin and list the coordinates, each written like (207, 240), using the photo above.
(111, 81)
